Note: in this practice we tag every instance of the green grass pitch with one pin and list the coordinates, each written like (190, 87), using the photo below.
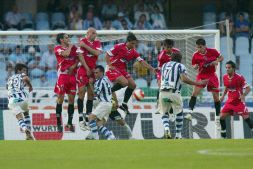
(127, 154)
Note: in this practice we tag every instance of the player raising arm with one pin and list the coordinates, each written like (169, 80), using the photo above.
(235, 104)
(67, 60)
(18, 98)
(116, 59)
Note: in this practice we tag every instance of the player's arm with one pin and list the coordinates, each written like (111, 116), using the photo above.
(223, 94)
(108, 62)
(185, 79)
(28, 83)
(219, 59)
(71, 68)
(91, 50)
(84, 64)
(246, 92)
(66, 52)
(148, 66)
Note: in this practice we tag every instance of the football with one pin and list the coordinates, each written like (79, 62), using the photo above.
(138, 94)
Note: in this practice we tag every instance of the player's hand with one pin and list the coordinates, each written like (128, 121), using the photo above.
(196, 67)
(30, 88)
(70, 46)
(111, 67)
(153, 70)
(70, 70)
(203, 82)
(242, 97)
(214, 63)
(88, 72)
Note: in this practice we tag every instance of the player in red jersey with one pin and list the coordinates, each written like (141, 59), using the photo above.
(90, 47)
(164, 57)
(205, 61)
(234, 85)
(116, 59)
(66, 66)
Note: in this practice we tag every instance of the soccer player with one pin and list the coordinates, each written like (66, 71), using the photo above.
(90, 49)
(18, 98)
(116, 59)
(205, 61)
(102, 90)
(164, 57)
(67, 59)
(234, 84)
(173, 73)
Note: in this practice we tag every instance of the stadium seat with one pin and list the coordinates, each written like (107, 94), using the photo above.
(42, 25)
(241, 46)
(153, 84)
(36, 82)
(209, 16)
(41, 16)
(27, 17)
(224, 45)
(140, 82)
(57, 18)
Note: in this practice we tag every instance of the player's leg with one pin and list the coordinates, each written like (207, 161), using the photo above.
(179, 125)
(117, 78)
(60, 99)
(105, 131)
(90, 96)
(195, 93)
(128, 93)
(225, 112)
(93, 127)
(157, 94)
(245, 115)
(71, 109)
(165, 106)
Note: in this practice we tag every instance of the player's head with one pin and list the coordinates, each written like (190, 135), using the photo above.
(63, 39)
(230, 67)
(21, 68)
(131, 40)
(176, 57)
(99, 71)
(91, 34)
(201, 45)
(168, 44)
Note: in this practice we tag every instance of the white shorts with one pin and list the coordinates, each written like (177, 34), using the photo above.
(18, 107)
(175, 102)
(103, 110)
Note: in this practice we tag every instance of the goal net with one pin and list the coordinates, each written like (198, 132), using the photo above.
(34, 48)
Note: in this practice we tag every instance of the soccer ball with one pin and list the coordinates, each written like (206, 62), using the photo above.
(138, 94)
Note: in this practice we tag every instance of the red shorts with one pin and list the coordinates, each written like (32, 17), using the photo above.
(114, 74)
(65, 84)
(212, 84)
(232, 109)
(158, 75)
(82, 77)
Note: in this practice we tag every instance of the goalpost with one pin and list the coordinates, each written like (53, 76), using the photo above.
(144, 123)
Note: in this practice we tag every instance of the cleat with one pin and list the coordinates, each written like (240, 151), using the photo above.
(83, 126)
(223, 134)
(70, 127)
(92, 136)
(178, 138)
(157, 111)
(111, 137)
(188, 116)
(124, 107)
(59, 128)
(28, 135)
(167, 134)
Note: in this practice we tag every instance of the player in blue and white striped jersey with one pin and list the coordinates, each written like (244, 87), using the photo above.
(18, 98)
(103, 92)
(173, 73)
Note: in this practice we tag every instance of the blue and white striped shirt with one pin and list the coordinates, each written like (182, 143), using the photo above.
(102, 89)
(170, 75)
(16, 87)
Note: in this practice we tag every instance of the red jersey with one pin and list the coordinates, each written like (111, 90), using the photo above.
(234, 87)
(120, 55)
(64, 63)
(202, 60)
(88, 57)
(164, 57)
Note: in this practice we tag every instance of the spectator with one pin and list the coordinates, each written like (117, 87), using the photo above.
(92, 21)
(48, 60)
(76, 23)
(108, 25)
(13, 18)
(152, 5)
(124, 25)
(142, 23)
(35, 70)
(117, 23)
(140, 4)
(222, 26)
(77, 5)
(141, 11)
(109, 10)
(157, 18)
(9, 69)
(242, 26)
(18, 56)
